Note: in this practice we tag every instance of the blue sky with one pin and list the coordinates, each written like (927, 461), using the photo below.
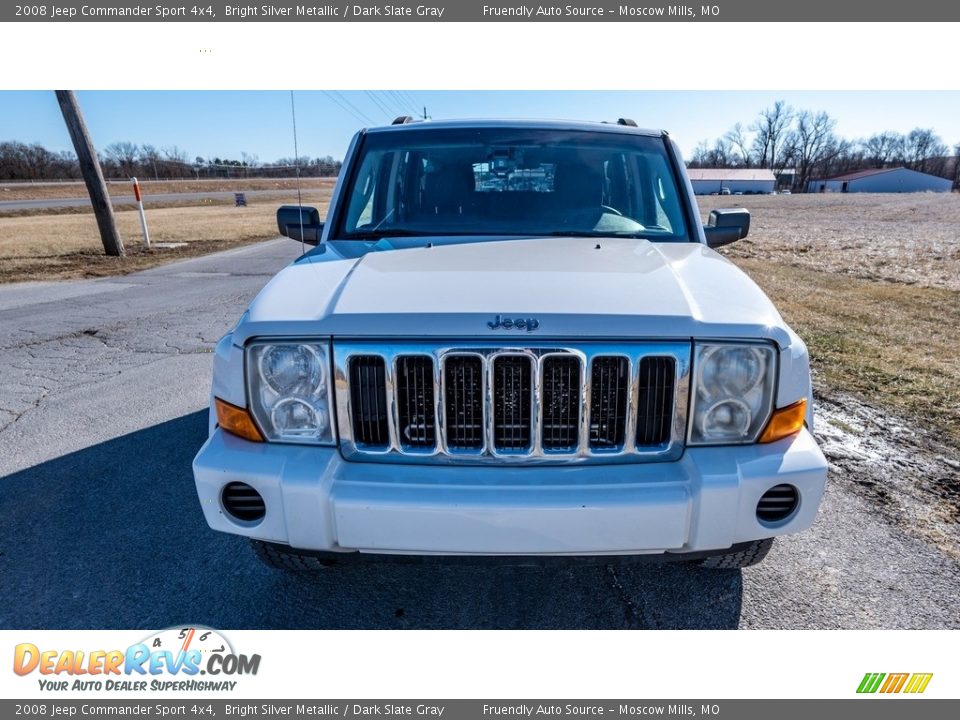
(226, 123)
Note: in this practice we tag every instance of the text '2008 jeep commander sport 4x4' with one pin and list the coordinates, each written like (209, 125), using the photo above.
(512, 338)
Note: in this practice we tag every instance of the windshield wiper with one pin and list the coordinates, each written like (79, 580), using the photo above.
(576, 233)
(386, 233)
(401, 232)
(598, 233)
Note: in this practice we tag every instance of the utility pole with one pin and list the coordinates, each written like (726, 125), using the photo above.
(92, 174)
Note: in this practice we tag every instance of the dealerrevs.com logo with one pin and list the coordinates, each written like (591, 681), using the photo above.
(172, 659)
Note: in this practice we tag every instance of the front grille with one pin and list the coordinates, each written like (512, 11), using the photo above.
(415, 411)
(368, 398)
(609, 391)
(463, 403)
(560, 424)
(601, 403)
(512, 396)
(655, 403)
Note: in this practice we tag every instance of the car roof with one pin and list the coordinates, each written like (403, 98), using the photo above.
(612, 127)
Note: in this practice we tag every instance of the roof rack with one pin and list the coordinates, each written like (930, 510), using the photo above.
(626, 121)
(402, 120)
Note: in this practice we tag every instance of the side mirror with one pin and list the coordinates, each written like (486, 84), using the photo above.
(726, 226)
(291, 218)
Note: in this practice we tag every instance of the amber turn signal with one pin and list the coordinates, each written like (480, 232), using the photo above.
(236, 420)
(785, 422)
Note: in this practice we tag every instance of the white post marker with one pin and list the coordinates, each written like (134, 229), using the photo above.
(143, 217)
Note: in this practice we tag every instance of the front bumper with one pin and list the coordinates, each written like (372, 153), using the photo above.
(315, 500)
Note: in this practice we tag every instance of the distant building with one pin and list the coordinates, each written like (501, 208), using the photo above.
(882, 180)
(714, 181)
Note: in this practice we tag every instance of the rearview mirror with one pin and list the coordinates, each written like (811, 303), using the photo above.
(301, 223)
(726, 226)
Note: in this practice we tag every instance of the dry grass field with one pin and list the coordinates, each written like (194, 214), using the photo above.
(42, 191)
(66, 245)
(872, 284)
(904, 239)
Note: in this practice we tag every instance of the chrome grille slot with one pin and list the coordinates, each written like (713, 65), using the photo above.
(477, 402)
(368, 396)
(655, 401)
(609, 392)
(415, 402)
(463, 403)
(512, 403)
(560, 412)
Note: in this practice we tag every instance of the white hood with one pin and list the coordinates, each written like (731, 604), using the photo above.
(572, 286)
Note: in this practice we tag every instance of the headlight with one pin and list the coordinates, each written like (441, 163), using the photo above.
(732, 394)
(289, 391)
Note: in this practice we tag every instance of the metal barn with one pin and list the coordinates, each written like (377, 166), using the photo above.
(714, 181)
(882, 180)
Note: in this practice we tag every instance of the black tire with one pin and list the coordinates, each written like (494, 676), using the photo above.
(284, 557)
(745, 556)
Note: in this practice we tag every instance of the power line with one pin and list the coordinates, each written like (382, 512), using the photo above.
(369, 119)
(356, 113)
(414, 103)
(380, 104)
(389, 100)
(405, 107)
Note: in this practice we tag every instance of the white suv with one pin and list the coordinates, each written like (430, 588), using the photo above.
(514, 339)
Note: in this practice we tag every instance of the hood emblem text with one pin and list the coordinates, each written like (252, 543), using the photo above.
(528, 324)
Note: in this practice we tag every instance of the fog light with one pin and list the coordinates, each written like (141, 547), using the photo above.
(777, 504)
(243, 502)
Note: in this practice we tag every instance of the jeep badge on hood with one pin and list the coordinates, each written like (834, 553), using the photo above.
(530, 324)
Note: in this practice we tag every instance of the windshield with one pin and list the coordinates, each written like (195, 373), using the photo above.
(509, 181)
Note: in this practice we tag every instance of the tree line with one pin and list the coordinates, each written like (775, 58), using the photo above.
(806, 141)
(122, 160)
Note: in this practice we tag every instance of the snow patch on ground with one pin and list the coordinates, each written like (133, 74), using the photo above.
(909, 474)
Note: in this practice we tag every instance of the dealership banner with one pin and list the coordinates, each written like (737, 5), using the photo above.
(341, 670)
(601, 11)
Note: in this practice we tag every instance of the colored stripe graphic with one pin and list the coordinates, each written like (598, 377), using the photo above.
(870, 683)
(894, 683)
(918, 682)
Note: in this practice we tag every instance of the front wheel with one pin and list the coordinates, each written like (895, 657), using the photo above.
(744, 556)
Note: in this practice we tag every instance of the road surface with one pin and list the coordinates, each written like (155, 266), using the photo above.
(102, 407)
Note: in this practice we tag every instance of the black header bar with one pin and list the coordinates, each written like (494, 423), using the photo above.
(599, 11)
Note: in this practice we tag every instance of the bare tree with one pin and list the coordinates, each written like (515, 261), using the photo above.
(771, 128)
(123, 156)
(883, 148)
(956, 166)
(175, 163)
(716, 156)
(925, 151)
(149, 156)
(812, 143)
(740, 143)
(700, 153)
